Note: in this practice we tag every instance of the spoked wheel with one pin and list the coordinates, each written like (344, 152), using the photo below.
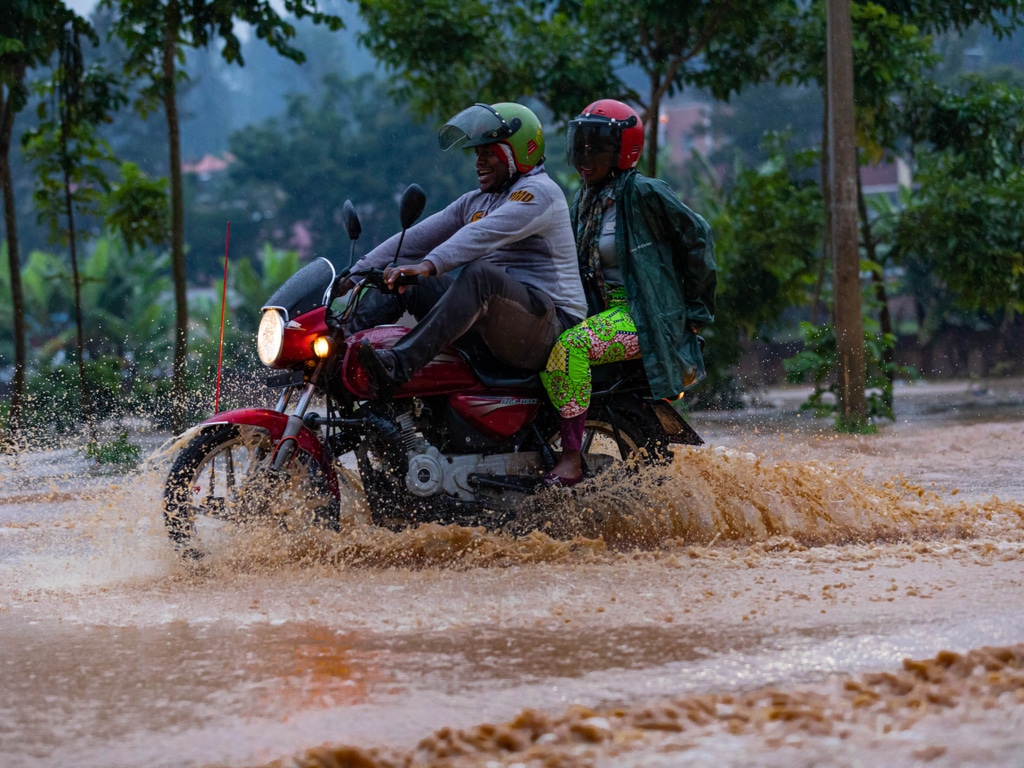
(204, 490)
(221, 478)
(617, 443)
(610, 441)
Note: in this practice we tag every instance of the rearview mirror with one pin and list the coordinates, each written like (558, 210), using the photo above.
(414, 200)
(351, 219)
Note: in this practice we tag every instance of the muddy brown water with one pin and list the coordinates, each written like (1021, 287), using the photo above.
(781, 596)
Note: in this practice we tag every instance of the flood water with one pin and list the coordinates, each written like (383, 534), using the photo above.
(781, 596)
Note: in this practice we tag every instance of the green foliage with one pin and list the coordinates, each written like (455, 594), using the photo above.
(124, 300)
(561, 52)
(29, 33)
(816, 364)
(119, 389)
(768, 231)
(964, 219)
(136, 208)
(566, 53)
(64, 148)
(144, 24)
(52, 403)
(353, 144)
(119, 453)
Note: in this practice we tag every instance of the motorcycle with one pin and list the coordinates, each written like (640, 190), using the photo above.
(465, 441)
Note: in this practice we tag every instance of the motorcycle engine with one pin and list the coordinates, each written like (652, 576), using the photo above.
(432, 472)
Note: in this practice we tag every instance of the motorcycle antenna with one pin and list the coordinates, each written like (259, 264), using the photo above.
(413, 201)
(223, 308)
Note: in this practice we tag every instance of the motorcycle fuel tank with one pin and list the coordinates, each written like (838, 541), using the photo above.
(448, 372)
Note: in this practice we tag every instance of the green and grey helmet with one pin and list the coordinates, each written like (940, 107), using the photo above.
(506, 123)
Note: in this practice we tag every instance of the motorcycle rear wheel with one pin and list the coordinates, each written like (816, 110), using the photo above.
(220, 479)
(619, 436)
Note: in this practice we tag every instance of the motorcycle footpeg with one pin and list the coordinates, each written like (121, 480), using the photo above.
(506, 482)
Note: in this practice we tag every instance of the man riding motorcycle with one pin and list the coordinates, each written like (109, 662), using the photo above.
(517, 285)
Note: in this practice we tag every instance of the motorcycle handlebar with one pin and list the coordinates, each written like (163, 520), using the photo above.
(375, 278)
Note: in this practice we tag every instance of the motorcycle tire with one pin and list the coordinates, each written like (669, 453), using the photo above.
(623, 434)
(219, 478)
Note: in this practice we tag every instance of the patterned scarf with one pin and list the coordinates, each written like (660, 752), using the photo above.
(594, 201)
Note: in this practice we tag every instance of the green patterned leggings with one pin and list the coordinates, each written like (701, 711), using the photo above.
(606, 337)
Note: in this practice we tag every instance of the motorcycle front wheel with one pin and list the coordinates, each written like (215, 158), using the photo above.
(221, 479)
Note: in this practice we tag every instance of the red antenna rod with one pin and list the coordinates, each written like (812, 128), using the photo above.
(223, 308)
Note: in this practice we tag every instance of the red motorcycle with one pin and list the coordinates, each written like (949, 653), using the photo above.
(464, 441)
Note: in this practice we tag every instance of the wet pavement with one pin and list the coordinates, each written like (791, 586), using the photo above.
(736, 609)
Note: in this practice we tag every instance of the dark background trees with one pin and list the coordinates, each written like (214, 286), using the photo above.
(284, 144)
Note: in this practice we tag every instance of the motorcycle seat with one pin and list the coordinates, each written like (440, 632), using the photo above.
(495, 374)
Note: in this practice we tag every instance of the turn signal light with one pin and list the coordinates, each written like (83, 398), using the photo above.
(322, 346)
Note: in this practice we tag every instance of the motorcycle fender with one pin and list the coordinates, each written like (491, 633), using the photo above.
(675, 426)
(274, 422)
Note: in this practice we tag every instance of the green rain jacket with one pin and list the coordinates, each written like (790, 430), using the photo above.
(667, 255)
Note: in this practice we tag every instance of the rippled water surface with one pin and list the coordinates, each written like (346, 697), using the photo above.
(781, 596)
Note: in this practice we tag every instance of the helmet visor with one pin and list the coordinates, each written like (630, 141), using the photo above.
(473, 126)
(587, 139)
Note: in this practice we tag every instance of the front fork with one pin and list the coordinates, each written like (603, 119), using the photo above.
(288, 444)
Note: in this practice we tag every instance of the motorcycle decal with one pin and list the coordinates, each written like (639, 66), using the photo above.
(497, 416)
(485, 404)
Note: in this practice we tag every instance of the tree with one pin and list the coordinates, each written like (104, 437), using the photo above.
(352, 143)
(767, 227)
(842, 152)
(566, 53)
(29, 33)
(964, 219)
(155, 32)
(892, 61)
(68, 157)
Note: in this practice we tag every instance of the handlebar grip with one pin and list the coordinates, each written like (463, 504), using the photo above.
(375, 278)
(407, 280)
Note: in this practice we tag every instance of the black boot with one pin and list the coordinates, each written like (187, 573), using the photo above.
(380, 370)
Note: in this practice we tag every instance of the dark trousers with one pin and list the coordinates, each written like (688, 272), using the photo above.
(518, 323)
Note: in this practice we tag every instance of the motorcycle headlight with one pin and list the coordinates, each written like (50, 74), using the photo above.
(270, 337)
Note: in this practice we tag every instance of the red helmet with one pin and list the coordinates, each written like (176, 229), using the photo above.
(606, 125)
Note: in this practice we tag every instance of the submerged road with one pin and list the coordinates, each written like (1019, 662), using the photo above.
(752, 605)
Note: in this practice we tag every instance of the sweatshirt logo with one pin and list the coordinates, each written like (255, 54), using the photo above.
(521, 196)
(477, 216)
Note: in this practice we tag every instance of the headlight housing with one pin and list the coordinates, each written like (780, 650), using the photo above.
(270, 337)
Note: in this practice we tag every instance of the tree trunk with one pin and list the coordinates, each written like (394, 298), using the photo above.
(884, 318)
(826, 200)
(83, 382)
(178, 382)
(15, 416)
(653, 126)
(843, 159)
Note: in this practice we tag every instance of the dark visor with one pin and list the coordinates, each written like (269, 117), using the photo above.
(586, 138)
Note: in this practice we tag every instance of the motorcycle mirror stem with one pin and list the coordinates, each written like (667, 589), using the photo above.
(413, 201)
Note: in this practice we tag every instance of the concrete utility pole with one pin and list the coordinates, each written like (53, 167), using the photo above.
(845, 245)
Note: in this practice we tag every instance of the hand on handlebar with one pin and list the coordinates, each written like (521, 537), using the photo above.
(343, 285)
(396, 274)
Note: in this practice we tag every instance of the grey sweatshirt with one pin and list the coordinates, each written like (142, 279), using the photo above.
(525, 230)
